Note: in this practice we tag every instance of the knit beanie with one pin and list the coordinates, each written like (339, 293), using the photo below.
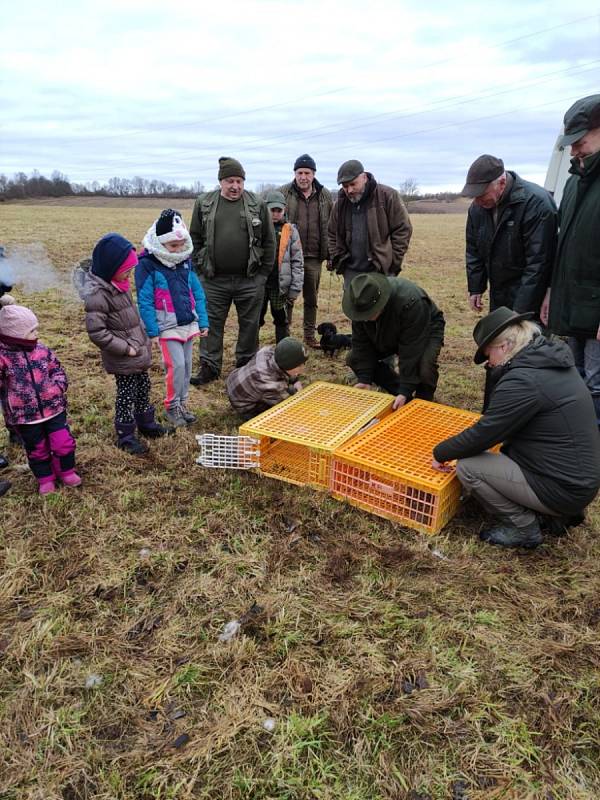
(230, 168)
(305, 162)
(170, 226)
(109, 254)
(17, 321)
(290, 353)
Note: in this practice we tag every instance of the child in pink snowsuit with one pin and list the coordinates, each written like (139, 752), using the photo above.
(33, 389)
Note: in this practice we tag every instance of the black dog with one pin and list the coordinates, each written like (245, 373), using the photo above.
(332, 341)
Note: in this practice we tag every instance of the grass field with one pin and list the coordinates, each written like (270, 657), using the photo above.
(394, 665)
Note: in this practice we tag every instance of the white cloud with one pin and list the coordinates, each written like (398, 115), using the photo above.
(97, 89)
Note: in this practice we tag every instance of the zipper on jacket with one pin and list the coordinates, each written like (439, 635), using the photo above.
(37, 394)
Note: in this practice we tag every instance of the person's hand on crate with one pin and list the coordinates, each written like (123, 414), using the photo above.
(362, 386)
(399, 401)
(441, 466)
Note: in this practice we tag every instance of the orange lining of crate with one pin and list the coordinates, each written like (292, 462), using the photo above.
(322, 415)
(401, 444)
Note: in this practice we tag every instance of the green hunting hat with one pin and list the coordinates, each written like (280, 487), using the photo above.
(290, 353)
(492, 325)
(230, 168)
(366, 296)
(582, 117)
(482, 171)
(275, 200)
(349, 171)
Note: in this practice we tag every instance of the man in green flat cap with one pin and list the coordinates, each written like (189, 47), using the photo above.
(393, 317)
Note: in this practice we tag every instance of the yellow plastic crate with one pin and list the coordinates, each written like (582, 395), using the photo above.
(298, 436)
(387, 469)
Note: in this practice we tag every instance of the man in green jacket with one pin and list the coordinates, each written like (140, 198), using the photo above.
(234, 251)
(308, 207)
(572, 304)
(393, 317)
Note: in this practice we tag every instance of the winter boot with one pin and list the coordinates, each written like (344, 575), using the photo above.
(205, 375)
(126, 439)
(508, 535)
(187, 415)
(149, 427)
(70, 478)
(281, 331)
(3, 462)
(47, 484)
(4, 487)
(559, 526)
(175, 416)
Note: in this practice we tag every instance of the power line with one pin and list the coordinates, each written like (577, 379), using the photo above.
(444, 104)
(296, 101)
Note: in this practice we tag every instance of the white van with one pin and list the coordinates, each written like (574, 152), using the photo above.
(558, 170)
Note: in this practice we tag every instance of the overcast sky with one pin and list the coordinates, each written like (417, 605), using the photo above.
(161, 90)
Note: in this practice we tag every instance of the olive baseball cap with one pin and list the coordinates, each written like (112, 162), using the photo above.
(582, 117)
(349, 171)
(366, 296)
(482, 172)
(275, 200)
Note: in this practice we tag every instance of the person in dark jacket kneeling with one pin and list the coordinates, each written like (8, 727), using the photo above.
(548, 470)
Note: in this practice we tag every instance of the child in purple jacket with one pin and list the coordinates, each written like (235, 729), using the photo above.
(33, 389)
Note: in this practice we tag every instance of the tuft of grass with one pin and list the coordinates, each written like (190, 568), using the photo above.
(390, 673)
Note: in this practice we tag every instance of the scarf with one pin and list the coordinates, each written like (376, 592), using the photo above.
(19, 344)
(165, 257)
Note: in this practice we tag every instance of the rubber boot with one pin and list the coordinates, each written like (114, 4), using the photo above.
(126, 439)
(508, 535)
(47, 484)
(149, 427)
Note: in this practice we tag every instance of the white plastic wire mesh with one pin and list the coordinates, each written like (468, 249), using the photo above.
(228, 452)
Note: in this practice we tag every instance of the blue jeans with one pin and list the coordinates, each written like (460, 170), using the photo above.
(587, 360)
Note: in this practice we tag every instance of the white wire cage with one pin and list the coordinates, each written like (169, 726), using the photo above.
(228, 452)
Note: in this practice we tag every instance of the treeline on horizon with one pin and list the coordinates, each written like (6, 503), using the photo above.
(22, 187)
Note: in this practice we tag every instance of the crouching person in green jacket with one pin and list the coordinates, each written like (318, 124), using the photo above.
(394, 317)
(540, 410)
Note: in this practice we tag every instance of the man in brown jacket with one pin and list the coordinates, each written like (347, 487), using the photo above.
(308, 207)
(369, 227)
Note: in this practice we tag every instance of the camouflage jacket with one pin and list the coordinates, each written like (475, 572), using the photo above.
(258, 383)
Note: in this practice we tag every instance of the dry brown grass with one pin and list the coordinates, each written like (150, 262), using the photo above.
(391, 672)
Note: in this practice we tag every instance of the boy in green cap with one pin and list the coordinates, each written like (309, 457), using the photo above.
(268, 378)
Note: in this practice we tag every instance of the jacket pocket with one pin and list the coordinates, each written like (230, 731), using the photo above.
(584, 309)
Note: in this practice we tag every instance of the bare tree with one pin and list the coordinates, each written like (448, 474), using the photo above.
(409, 189)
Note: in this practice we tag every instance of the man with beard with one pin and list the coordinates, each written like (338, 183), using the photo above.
(369, 227)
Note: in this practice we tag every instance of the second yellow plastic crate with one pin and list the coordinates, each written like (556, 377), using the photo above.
(298, 436)
(387, 469)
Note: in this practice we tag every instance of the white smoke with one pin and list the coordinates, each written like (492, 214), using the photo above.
(28, 268)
